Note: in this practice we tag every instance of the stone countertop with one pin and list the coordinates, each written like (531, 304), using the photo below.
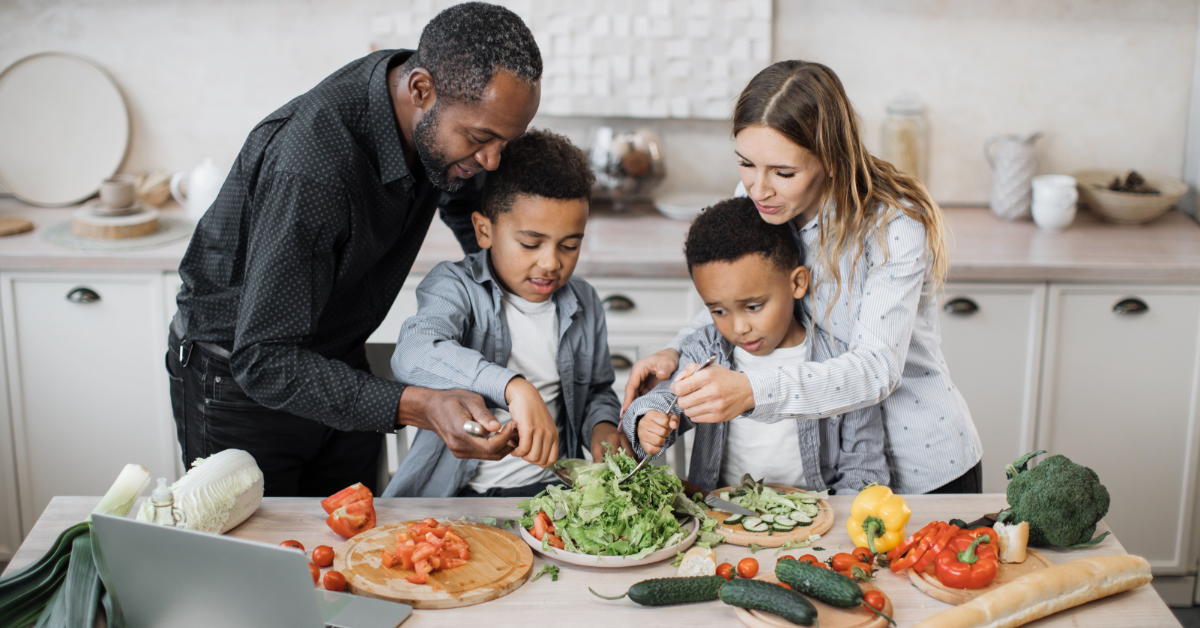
(643, 243)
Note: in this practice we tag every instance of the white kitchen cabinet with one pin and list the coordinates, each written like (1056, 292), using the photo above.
(992, 342)
(1120, 393)
(88, 391)
(10, 507)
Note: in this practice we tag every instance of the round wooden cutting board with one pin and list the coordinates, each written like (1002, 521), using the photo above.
(499, 564)
(928, 583)
(735, 535)
(827, 616)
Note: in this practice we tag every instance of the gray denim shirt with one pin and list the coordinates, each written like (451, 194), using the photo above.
(842, 452)
(459, 339)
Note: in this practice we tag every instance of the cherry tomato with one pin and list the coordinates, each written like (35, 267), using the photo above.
(861, 565)
(786, 557)
(335, 581)
(292, 544)
(725, 570)
(842, 561)
(863, 554)
(786, 586)
(810, 559)
(315, 571)
(875, 599)
(747, 568)
(323, 556)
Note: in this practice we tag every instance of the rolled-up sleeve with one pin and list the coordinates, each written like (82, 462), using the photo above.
(430, 351)
(290, 269)
(870, 369)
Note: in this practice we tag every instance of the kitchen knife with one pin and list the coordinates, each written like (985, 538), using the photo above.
(716, 502)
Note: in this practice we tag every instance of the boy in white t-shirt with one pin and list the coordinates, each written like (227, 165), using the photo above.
(512, 324)
(749, 275)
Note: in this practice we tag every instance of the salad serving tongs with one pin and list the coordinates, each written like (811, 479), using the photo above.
(670, 412)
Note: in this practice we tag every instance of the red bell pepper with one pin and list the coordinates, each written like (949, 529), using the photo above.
(915, 553)
(345, 497)
(943, 539)
(980, 531)
(353, 518)
(967, 563)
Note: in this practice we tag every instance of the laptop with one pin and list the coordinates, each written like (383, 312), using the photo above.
(164, 576)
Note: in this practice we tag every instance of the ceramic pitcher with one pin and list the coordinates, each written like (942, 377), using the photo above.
(1014, 162)
(199, 188)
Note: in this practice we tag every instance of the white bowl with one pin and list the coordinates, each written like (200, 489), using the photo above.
(685, 205)
(1128, 208)
(591, 560)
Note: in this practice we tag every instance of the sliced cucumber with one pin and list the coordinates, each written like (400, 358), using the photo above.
(768, 518)
(725, 495)
(754, 524)
(779, 527)
(732, 519)
(784, 520)
(800, 518)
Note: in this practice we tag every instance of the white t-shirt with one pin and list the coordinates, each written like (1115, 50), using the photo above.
(533, 329)
(767, 451)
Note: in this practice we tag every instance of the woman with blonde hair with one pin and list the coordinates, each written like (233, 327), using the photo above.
(875, 242)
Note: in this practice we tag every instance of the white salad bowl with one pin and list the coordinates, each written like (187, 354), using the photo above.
(592, 560)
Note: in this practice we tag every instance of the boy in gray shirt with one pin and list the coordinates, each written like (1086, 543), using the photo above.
(512, 324)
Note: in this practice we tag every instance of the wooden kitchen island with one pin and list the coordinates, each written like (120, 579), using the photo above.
(568, 603)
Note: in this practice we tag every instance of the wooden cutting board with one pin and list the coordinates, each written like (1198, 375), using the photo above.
(499, 564)
(928, 583)
(736, 535)
(827, 616)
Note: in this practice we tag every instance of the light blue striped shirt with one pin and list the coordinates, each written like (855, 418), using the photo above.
(888, 352)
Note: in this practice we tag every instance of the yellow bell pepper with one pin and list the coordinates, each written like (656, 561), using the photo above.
(877, 519)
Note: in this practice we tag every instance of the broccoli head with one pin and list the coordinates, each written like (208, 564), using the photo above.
(1061, 500)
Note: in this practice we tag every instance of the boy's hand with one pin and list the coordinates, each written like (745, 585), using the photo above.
(653, 430)
(537, 436)
(647, 373)
(611, 434)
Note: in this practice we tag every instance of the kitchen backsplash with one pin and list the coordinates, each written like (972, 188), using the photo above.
(1107, 81)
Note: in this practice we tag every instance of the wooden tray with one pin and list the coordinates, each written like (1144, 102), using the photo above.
(928, 583)
(827, 616)
(821, 524)
(499, 564)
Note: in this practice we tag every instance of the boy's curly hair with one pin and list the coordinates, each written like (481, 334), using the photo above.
(731, 230)
(538, 163)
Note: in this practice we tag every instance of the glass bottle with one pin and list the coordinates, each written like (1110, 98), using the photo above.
(906, 136)
(163, 501)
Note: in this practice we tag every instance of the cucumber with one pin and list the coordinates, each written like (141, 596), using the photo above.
(768, 518)
(754, 524)
(669, 591)
(827, 586)
(779, 527)
(732, 519)
(785, 520)
(769, 597)
(800, 518)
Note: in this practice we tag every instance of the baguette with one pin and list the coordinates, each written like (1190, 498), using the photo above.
(1013, 541)
(1046, 592)
(698, 562)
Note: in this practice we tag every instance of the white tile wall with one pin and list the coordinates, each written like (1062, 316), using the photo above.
(652, 59)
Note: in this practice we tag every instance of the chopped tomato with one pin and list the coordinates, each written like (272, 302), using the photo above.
(315, 572)
(389, 560)
(335, 581)
(556, 542)
(345, 497)
(323, 556)
(351, 519)
(417, 578)
(539, 528)
(546, 519)
(425, 548)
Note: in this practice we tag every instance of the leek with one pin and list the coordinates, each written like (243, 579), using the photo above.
(64, 586)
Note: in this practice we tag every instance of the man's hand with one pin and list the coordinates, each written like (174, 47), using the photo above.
(537, 436)
(444, 412)
(611, 434)
(647, 373)
(653, 430)
(713, 395)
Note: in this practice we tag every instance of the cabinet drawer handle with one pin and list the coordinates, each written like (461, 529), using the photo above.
(618, 303)
(960, 306)
(1132, 305)
(620, 362)
(82, 295)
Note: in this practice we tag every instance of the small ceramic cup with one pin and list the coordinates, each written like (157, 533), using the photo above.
(116, 192)
(1054, 201)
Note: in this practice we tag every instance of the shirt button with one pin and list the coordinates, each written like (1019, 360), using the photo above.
(218, 379)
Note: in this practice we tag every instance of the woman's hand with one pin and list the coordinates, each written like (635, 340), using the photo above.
(714, 394)
(611, 434)
(647, 373)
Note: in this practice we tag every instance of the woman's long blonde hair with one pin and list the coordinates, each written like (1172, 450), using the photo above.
(805, 102)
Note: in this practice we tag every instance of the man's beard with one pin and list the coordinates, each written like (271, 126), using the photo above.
(437, 166)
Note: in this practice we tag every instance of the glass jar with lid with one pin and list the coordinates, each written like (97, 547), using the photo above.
(906, 136)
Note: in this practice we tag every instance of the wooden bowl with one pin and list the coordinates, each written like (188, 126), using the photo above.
(1127, 208)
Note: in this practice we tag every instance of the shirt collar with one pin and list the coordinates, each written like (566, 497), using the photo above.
(481, 272)
(385, 132)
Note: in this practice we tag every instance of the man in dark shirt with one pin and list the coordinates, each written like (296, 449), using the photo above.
(311, 238)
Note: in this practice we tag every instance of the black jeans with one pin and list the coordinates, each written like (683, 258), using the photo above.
(969, 482)
(529, 490)
(299, 457)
